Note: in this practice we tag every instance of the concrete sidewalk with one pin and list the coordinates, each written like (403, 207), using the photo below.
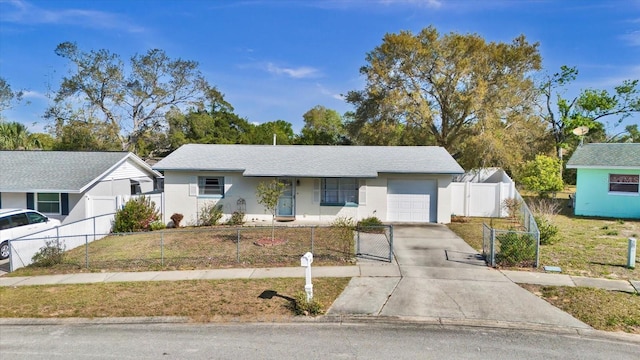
(365, 269)
(360, 270)
(553, 279)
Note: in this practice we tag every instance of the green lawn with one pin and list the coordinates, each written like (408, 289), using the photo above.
(586, 246)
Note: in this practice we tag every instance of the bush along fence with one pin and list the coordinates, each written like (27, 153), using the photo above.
(514, 247)
(216, 247)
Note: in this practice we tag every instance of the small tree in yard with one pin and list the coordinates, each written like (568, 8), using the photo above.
(542, 175)
(268, 194)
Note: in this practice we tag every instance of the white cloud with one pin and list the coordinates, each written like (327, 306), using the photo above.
(296, 73)
(28, 94)
(632, 38)
(23, 12)
(325, 91)
(433, 4)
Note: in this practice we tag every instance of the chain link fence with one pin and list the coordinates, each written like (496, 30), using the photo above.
(513, 248)
(215, 247)
(375, 242)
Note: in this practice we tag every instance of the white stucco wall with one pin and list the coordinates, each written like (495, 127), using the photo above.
(178, 198)
(14, 200)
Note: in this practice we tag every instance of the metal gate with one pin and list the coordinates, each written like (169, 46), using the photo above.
(375, 242)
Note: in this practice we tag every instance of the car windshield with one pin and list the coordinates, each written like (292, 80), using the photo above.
(36, 218)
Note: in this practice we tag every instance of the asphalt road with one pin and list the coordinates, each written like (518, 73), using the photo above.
(300, 341)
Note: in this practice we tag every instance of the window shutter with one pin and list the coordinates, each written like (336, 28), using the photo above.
(30, 201)
(227, 182)
(64, 203)
(193, 187)
(316, 190)
(362, 192)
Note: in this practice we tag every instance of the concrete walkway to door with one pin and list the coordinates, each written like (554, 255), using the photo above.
(443, 279)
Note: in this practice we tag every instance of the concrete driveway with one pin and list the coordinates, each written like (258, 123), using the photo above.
(441, 278)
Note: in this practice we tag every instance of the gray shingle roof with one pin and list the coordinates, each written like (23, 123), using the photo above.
(603, 155)
(312, 161)
(55, 171)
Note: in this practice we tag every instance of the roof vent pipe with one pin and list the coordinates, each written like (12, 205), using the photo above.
(274, 139)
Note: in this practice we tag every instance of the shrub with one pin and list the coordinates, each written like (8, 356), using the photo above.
(176, 218)
(512, 205)
(543, 211)
(545, 207)
(136, 215)
(210, 214)
(459, 219)
(516, 249)
(548, 231)
(342, 228)
(370, 221)
(52, 253)
(371, 225)
(157, 225)
(302, 306)
(237, 218)
(344, 222)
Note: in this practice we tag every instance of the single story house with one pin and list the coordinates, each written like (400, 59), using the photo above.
(58, 183)
(608, 180)
(392, 183)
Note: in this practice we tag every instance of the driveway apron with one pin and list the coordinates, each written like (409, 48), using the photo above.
(443, 278)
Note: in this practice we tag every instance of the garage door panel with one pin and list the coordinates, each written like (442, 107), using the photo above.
(410, 200)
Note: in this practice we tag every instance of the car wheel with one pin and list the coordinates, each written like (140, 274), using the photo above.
(4, 250)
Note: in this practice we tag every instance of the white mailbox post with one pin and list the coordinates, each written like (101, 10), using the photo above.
(306, 261)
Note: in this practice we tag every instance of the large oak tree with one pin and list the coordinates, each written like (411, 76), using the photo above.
(443, 85)
(133, 98)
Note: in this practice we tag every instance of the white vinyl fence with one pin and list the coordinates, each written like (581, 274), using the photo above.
(100, 205)
(100, 213)
(481, 199)
(68, 236)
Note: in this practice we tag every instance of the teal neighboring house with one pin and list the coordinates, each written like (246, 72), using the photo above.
(608, 182)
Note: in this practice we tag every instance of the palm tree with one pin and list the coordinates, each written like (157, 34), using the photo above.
(15, 136)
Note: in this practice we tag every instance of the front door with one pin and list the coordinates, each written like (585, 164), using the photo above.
(287, 199)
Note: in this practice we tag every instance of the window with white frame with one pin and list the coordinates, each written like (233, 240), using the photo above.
(48, 203)
(210, 186)
(339, 191)
(621, 183)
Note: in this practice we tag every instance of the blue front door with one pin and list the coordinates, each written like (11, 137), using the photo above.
(287, 199)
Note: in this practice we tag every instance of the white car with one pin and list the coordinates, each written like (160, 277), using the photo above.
(15, 223)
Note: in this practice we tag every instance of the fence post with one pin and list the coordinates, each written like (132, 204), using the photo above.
(390, 243)
(492, 248)
(162, 248)
(312, 236)
(238, 246)
(357, 241)
(537, 248)
(86, 251)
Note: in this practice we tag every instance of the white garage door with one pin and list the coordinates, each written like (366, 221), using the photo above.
(412, 200)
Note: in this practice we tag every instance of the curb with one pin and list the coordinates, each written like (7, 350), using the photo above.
(349, 320)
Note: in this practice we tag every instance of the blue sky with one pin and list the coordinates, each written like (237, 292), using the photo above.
(276, 59)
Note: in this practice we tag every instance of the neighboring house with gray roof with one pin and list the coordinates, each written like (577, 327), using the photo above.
(608, 180)
(395, 184)
(58, 183)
